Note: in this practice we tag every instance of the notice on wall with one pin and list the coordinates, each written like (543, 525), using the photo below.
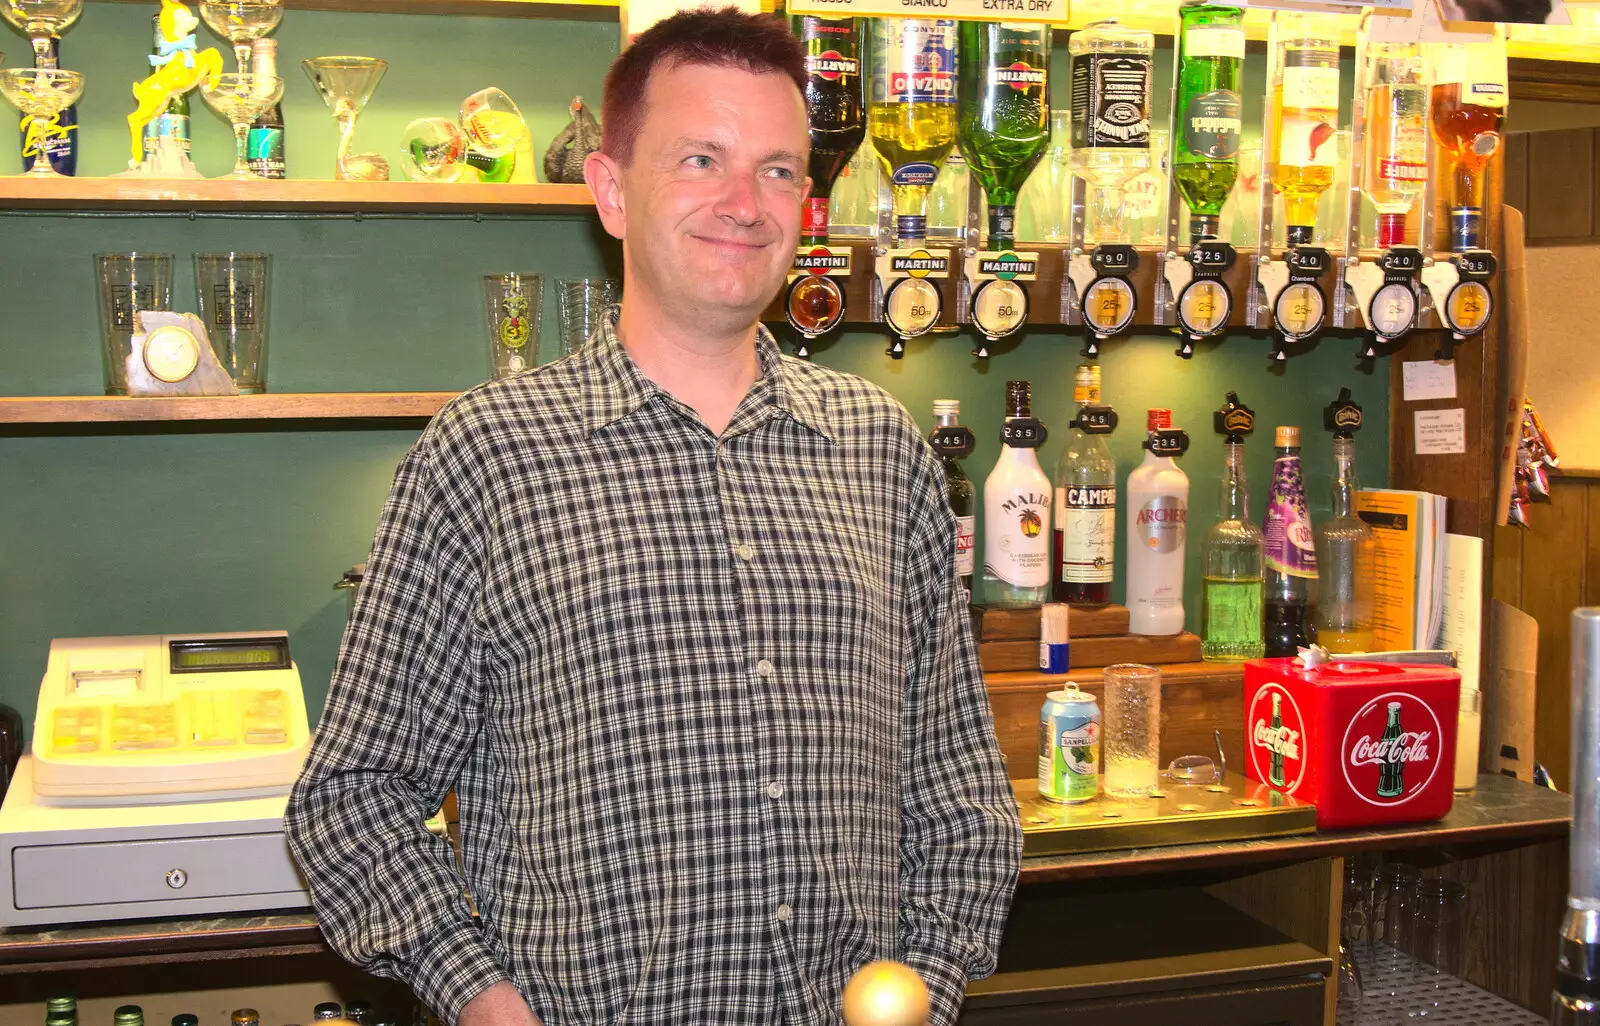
(1441, 432)
(1428, 379)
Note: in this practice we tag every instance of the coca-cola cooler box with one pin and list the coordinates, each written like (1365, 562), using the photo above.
(1366, 743)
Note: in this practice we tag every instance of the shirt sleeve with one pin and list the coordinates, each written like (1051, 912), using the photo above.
(960, 838)
(402, 711)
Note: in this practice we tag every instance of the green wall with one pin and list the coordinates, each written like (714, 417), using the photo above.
(199, 527)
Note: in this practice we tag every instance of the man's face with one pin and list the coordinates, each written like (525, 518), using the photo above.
(711, 199)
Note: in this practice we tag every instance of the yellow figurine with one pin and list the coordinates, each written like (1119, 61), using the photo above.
(172, 76)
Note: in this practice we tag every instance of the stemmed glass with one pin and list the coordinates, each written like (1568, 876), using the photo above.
(41, 20)
(345, 85)
(241, 22)
(241, 98)
(42, 93)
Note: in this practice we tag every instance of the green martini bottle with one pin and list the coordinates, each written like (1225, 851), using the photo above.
(1003, 112)
(1205, 150)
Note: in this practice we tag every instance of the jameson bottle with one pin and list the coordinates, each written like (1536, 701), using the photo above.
(1395, 167)
(1345, 565)
(833, 107)
(1016, 512)
(172, 123)
(56, 135)
(1109, 70)
(1305, 108)
(265, 141)
(1468, 108)
(1291, 556)
(1205, 151)
(911, 117)
(1003, 113)
(1086, 507)
(1158, 518)
(959, 489)
(1230, 603)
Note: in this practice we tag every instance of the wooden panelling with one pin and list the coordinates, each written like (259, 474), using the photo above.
(999, 656)
(1561, 184)
(1302, 900)
(1516, 170)
(1023, 624)
(1506, 574)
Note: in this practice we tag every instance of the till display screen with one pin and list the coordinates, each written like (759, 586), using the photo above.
(244, 654)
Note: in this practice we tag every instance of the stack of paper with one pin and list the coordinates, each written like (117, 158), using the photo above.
(1409, 545)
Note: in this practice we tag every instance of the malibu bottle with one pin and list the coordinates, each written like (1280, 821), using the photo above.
(1016, 511)
(58, 135)
(833, 108)
(1205, 147)
(1003, 113)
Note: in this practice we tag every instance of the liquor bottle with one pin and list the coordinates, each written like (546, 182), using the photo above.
(1003, 113)
(265, 143)
(1291, 556)
(1230, 604)
(1109, 73)
(963, 496)
(1345, 564)
(327, 1010)
(911, 117)
(1305, 110)
(173, 122)
(185, 1019)
(1016, 511)
(1205, 152)
(128, 1015)
(1158, 515)
(61, 1010)
(358, 1012)
(249, 1017)
(1392, 774)
(1395, 166)
(1468, 109)
(1086, 507)
(833, 107)
(58, 134)
(1275, 774)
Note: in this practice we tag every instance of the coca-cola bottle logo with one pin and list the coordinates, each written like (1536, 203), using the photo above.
(1392, 748)
(1276, 739)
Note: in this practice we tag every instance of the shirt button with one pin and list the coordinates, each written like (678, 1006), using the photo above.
(764, 668)
(784, 912)
(745, 551)
(774, 790)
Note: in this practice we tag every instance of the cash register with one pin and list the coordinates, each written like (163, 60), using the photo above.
(160, 769)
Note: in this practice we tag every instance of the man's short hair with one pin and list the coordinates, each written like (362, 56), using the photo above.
(760, 43)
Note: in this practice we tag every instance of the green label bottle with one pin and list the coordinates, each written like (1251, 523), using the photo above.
(1205, 148)
(1003, 104)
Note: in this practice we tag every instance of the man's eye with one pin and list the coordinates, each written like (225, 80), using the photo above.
(782, 172)
(698, 161)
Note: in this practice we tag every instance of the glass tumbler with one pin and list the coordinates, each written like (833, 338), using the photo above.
(1469, 731)
(129, 282)
(1132, 744)
(232, 293)
(1437, 923)
(1395, 895)
(581, 303)
(514, 301)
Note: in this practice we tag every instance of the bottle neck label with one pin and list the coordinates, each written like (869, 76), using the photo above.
(1110, 101)
(915, 60)
(1214, 41)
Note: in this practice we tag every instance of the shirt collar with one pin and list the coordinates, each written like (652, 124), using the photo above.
(615, 388)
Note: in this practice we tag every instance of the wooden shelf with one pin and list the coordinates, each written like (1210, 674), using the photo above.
(103, 409)
(221, 194)
(591, 10)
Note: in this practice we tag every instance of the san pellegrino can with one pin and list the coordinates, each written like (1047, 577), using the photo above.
(1069, 746)
(911, 115)
(1205, 147)
(1004, 113)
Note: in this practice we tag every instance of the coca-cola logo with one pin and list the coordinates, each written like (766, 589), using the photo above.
(1392, 748)
(1276, 738)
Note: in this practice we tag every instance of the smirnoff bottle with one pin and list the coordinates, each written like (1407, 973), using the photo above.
(1158, 514)
(1086, 507)
(1395, 168)
(1291, 554)
(1016, 511)
(833, 108)
(958, 488)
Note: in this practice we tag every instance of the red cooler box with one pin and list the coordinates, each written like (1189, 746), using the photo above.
(1367, 743)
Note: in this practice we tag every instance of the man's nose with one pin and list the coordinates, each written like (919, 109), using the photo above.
(741, 201)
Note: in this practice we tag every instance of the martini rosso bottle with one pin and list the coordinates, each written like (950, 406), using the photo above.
(1004, 113)
(833, 109)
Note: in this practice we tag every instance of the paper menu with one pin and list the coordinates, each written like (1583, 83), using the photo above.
(1408, 566)
(1462, 602)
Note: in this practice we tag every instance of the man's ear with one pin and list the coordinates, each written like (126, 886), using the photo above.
(604, 176)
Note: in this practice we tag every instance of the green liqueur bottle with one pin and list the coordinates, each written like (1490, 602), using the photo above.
(1230, 607)
(1205, 151)
(1003, 103)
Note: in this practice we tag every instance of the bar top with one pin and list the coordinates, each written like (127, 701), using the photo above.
(1500, 809)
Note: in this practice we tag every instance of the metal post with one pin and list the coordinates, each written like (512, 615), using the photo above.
(1576, 1001)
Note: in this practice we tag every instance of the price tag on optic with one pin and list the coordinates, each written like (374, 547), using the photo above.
(1168, 442)
(1108, 305)
(999, 308)
(1477, 264)
(912, 307)
(1307, 260)
(1203, 307)
(1401, 260)
(1114, 259)
(955, 441)
(1393, 310)
(822, 260)
(1212, 256)
(1096, 420)
(1468, 307)
(1023, 433)
(1299, 311)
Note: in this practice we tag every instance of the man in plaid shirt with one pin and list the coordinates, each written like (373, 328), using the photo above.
(678, 620)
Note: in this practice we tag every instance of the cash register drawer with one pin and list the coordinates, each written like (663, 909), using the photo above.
(118, 872)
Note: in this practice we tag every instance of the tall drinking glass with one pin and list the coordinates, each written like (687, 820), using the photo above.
(232, 293)
(1437, 922)
(129, 282)
(581, 304)
(514, 302)
(1132, 729)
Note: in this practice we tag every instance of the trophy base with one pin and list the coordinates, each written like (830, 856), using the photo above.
(167, 161)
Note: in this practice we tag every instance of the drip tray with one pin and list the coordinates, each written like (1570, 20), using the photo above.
(1238, 810)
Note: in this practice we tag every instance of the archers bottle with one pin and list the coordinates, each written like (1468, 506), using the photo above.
(1016, 511)
(1086, 506)
(1158, 516)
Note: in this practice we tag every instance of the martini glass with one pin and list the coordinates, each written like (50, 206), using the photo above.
(241, 98)
(346, 84)
(240, 22)
(40, 21)
(43, 93)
